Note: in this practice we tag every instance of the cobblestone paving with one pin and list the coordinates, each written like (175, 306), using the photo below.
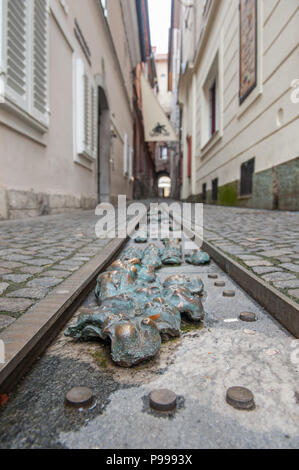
(37, 255)
(265, 242)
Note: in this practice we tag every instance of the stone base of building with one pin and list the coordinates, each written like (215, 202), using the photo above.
(276, 188)
(25, 204)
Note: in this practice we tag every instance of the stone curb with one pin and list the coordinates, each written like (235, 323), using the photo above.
(283, 309)
(31, 334)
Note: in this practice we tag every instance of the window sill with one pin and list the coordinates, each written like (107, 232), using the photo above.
(247, 196)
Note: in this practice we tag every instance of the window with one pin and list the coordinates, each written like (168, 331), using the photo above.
(24, 58)
(204, 192)
(189, 143)
(247, 171)
(86, 113)
(215, 189)
(104, 5)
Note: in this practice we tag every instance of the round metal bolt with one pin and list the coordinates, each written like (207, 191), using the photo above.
(240, 398)
(213, 276)
(79, 396)
(219, 284)
(229, 293)
(163, 400)
(248, 316)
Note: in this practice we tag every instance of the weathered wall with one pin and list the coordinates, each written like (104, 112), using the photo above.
(263, 193)
(266, 125)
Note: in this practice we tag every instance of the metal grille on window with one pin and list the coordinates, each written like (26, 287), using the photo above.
(247, 171)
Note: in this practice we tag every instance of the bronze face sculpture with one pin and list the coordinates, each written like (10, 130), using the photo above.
(135, 310)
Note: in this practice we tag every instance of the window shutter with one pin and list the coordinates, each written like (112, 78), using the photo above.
(40, 59)
(87, 114)
(17, 51)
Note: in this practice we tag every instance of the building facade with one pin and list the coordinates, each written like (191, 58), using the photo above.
(144, 162)
(239, 93)
(174, 65)
(66, 104)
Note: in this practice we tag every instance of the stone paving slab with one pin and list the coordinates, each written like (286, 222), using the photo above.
(36, 255)
(262, 241)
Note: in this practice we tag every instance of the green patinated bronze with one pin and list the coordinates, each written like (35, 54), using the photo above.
(135, 309)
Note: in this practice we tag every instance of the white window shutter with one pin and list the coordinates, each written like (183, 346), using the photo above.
(40, 60)
(86, 113)
(16, 42)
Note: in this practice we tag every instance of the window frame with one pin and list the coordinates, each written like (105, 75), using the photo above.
(86, 153)
(10, 101)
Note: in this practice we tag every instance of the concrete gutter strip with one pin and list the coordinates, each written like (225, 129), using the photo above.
(30, 335)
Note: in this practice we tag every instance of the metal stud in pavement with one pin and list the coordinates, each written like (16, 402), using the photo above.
(240, 398)
(248, 316)
(163, 400)
(79, 396)
(229, 293)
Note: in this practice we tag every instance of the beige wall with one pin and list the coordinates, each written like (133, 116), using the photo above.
(254, 128)
(44, 163)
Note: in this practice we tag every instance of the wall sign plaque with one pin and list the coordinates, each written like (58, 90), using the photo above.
(248, 47)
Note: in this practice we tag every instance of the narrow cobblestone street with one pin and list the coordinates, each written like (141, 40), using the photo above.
(265, 242)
